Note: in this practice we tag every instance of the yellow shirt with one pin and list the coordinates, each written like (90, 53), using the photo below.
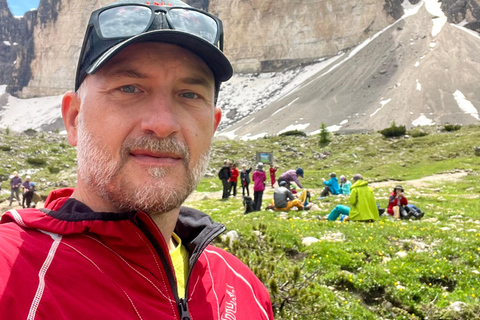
(179, 257)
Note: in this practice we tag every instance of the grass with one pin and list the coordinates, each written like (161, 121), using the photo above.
(385, 270)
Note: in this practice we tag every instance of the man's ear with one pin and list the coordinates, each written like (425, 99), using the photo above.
(70, 111)
(218, 117)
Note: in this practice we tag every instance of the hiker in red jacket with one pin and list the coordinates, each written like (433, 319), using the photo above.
(233, 180)
(121, 245)
(272, 170)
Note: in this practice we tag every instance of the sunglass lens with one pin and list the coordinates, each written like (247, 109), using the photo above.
(124, 21)
(195, 23)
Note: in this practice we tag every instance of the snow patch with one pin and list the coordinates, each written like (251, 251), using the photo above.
(463, 23)
(334, 128)
(410, 9)
(465, 105)
(383, 103)
(40, 111)
(432, 44)
(422, 121)
(435, 9)
(3, 87)
(344, 122)
(419, 86)
(7, 43)
(417, 64)
(255, 137)
(295, 127)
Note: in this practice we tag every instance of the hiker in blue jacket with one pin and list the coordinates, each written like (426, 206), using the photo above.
(331, 186)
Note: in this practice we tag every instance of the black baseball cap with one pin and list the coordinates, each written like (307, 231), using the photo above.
(125, 22)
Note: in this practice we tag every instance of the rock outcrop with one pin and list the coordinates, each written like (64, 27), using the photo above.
(39, 52)
(458, 11)
(261, 35)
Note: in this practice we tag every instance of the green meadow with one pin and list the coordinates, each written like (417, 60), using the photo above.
(427, 269)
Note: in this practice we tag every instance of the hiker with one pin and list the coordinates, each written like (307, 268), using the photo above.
(225, 174)
(331, 186)
(259, 177)
(121, 245)
(15, 184)
(292, 176)
(28, 190)
(284, 200)
(362, 201)
(397, 203)
(233, 180)
(272, 174)
(345, 185)
(245, 179)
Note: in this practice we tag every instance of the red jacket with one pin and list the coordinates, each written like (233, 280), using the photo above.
(69, 262)
(235, 174)
(393, 201)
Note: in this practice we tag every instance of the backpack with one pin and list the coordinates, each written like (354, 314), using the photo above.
(414, 212)
(248, 204)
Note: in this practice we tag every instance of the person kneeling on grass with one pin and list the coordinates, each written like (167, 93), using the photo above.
(284, 200)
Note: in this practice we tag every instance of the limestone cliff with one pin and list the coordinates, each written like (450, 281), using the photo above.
(463, 10)
(260, 35)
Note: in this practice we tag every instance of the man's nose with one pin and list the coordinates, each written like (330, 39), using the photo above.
(160, 116)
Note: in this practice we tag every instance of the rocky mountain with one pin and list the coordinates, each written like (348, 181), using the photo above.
(261, 35)
(354, 65)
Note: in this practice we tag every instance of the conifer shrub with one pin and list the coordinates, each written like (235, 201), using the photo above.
(53, 169)
(324, 134)
(451, 127)
(293, 133)
(36, 161)
(5, 148)
(393, 131)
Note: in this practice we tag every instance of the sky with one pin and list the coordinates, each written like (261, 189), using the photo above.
(19, 7)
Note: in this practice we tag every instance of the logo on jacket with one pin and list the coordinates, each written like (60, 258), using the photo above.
(230, 304)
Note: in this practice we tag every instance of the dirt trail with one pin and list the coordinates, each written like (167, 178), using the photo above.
(423, 182)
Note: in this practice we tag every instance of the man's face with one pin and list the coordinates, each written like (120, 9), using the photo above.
(145, 127)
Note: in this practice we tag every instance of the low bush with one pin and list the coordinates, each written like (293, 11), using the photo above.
(393, 131)
(36, 161)
(5, 148)
(293, 133)
(451, 127)
(415, 133)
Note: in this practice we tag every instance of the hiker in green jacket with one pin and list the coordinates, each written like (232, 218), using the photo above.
(362, 200)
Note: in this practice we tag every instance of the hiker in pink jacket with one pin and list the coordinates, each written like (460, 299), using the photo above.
(259, 177)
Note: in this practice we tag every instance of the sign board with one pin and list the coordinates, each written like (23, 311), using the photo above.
(265, 157)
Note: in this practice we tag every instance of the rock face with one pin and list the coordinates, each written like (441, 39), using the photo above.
(39, 52)
(463, 10)
(270, 35)
(261, 35)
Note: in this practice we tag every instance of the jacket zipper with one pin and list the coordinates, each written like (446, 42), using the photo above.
(183, 302)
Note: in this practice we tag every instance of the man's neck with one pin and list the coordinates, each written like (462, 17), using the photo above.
(165, 221)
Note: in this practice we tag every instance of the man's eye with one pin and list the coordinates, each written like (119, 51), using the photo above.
(189, 95)
(128, 89)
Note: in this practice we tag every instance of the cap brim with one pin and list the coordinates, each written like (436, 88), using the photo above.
(214, 58)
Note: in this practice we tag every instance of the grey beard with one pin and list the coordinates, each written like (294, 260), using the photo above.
(102, 173)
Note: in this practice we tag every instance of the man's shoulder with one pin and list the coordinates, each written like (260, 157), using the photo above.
(231, 270)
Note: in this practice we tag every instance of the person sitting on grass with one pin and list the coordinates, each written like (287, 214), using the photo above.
(284, 200)
(397, 203)
(345, 185)
(362, 201)
(331, 186)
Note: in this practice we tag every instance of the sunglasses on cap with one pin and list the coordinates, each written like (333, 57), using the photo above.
(127, 20)
(113, 25)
